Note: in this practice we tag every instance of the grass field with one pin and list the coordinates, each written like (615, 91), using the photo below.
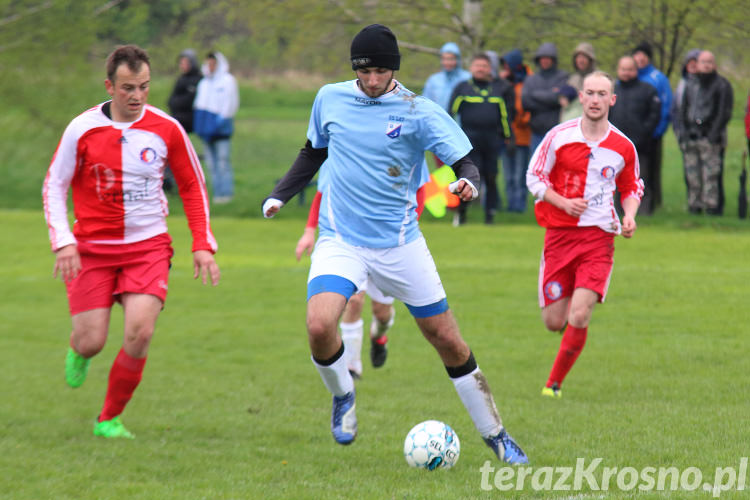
(231, 406)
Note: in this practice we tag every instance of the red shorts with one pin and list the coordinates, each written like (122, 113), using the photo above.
(578, 257)
(107, 271)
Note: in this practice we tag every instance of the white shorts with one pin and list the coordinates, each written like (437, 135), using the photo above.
(405, 272)
(374, 292)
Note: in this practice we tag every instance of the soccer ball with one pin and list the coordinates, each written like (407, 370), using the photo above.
(431, 445)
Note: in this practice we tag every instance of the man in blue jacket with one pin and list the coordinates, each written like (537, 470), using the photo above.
(643, 54)
(440, 85)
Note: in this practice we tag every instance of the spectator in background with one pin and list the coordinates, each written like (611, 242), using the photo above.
(516, 156)
(180, 102)
(439, 86)
(643, 54)
(689, 70)
(542, 93)
(216, 102)
(636, 113)
(483, 106)
(706, 110)
(584, 62)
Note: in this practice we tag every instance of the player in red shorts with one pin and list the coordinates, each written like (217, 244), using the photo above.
(113, 156)
(573, 174)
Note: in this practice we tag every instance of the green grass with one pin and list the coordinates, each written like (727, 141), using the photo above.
(231, 407)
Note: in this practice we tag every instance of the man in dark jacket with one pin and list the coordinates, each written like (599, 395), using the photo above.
(181, 101)
(706, 110)
(542, 94)
(636, 113)
(484, 107)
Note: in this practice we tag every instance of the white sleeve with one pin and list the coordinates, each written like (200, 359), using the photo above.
(55, 190)
(542, 161)
(231, 104)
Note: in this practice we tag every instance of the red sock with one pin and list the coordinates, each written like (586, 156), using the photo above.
(124, 377)
(571, 346)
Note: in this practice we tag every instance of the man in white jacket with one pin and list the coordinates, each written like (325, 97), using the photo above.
(216, 103)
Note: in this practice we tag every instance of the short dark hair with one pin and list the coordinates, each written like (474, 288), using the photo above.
(211, 55)
(482, 55)
(132, 55)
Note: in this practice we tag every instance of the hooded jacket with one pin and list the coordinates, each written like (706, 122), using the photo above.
(183, 95)
(576, 78)
(216, 102)
(518, 73)
(439, 86)
(675, 112)
(541, 92)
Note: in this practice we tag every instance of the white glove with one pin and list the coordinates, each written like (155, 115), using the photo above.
(453, 187)
(271, 203)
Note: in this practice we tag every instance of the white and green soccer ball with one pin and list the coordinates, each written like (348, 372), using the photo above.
(432, 445)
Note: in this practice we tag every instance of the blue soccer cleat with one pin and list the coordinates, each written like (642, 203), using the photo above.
(344, 419)
(506, 449)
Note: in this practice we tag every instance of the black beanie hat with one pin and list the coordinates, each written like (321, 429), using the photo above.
(644, 47)
(375, 47)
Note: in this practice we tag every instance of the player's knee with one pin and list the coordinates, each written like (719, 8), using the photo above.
(140, 334)
(553, 323)
(319, 327)
(579, 317)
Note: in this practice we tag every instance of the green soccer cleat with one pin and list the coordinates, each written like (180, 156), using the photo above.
(112, 429)
(76, 368)
(552, 392)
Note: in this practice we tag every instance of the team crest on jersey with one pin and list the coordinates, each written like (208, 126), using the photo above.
(553, 290)
(393, 130)
(148, 155)
(608, 172)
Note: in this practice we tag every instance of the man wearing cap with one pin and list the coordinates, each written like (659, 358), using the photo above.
(367, 137)
(643, 54)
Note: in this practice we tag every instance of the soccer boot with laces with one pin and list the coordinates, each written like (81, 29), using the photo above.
(553, 391)
(76, 368)
(507, 449)
(112, 428)
(344, 418)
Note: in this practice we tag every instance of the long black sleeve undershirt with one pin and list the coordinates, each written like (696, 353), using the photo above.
(308, 163)
(465, 168)
(300, 174)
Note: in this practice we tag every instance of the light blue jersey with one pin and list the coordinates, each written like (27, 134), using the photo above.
(375, 160)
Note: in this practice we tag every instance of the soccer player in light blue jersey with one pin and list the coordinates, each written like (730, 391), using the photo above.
(367, 136)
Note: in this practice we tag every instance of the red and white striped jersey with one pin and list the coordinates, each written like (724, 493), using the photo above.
(116, 172)
(577, 168)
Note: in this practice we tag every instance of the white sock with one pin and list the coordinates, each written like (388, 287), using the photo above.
(351, 334)
(336, 376)
(476, 396)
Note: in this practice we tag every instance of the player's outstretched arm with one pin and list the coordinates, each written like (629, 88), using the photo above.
(300, 174)
(630, 208)
(67, 263)
(205, 266)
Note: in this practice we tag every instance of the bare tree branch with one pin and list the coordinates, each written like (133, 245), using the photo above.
(28, 12)
(107, 6)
